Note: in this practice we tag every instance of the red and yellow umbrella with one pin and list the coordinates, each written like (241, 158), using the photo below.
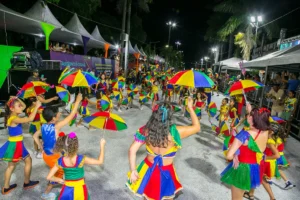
(33, 89)
(107, 121)
(79, 79)
(191, 78)
(244, 86)
(104, 103)
(118, 95)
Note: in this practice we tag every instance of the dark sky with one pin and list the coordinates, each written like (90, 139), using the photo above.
(192, 15)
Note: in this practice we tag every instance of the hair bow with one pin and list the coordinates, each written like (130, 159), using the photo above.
(164, 113)
(61, 134)
(72, 135)
(11, 101)
(261, 110)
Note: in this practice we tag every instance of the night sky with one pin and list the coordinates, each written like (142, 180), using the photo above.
(191, 17)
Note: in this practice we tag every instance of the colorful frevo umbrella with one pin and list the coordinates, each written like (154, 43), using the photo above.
(191, 78)
(33, 89)
(104, 103)
(243, 86)
(63, 93)
(143, 98)
(227, 91)
(275, 119)
(126, 101)
(150, 95)
(215, 128)
(111, 96)
(176, 108)
(118, 85)
(132, 90)
(106, 121)
(196, 109)
(224, 129)
(212, 109)
(79, 79)
(67, 71)
(117, 95)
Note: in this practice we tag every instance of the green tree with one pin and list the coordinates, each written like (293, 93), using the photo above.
(246, 41)
(173, 57)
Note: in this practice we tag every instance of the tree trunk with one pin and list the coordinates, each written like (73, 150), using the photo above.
(230, 47)
(123, 32)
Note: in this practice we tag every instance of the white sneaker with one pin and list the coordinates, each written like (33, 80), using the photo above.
(39, 155)
(50, 195)
(141, 108)
(119, 110)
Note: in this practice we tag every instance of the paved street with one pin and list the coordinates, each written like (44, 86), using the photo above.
(198, 164)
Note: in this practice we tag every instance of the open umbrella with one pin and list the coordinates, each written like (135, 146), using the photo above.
(212, 109)
(143, 98)
(243, 86)
(117, 95)
(196, 109)
(67, 71)
(176, 108)
(150, 95)
(104, 103)
(79, 79)
(63, 93)
(33, 89)
(132, 90)
(224, 129)
(215, 128)
(118, 85)
(106, 120)
(126, 101)
(275, 119)
(191, 78)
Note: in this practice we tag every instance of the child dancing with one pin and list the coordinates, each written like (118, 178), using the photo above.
(14, 149)
(72, 165)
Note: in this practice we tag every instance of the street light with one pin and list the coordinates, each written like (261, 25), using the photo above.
(178, 43)
(117, 46)
(171, 25)
(255, 21)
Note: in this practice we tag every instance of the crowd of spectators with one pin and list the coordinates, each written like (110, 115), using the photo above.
(64, 48)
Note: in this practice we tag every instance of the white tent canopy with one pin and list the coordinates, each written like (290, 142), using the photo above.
(142, 51)
(40, 11)
(130, 48)
(137, 50)
(282, 57)
(230, 64)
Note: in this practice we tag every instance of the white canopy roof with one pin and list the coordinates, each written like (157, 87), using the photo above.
(137, 50)
(231, 63)
(142, 51)
(282, 57)
(130, 48)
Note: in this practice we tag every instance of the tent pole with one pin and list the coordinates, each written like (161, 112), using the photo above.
(263, 89)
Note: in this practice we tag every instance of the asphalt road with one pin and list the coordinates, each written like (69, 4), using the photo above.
(198, 164)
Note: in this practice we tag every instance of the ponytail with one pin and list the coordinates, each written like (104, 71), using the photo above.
(60, 143)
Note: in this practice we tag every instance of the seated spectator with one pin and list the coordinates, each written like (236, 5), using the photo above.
(57, 47)
(276, 94)
(63, 48)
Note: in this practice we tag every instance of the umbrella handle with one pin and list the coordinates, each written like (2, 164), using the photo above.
(245, 97)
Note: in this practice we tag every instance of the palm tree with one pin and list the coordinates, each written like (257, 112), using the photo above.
(234, 15)
(246, 41)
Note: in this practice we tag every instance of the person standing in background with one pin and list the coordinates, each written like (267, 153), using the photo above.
(276, 94)
(35, 76)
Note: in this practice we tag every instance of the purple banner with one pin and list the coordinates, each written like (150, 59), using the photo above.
(72, 60)
(103, 65)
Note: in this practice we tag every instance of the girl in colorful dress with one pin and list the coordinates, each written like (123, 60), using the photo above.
(72, 165)
(270, 168)
(279, 137)
(234, 121)
(223, 111)
(35, 124)
(83, 110)
(199, 103)
(245, 171)
(14, 150)
(154, 92)
(155, 178)
(101, 86)
(185, 93)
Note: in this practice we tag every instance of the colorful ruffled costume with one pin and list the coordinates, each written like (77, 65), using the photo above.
(84, 111)
(248, 174)
(282, 161)
(14, 149)
(35, 125)
(270, 166)
(74, 187)
(154, 91)
(155, 180)
(223, 112)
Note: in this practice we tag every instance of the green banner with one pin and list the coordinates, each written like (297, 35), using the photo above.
(6, 53)
(47, 28)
